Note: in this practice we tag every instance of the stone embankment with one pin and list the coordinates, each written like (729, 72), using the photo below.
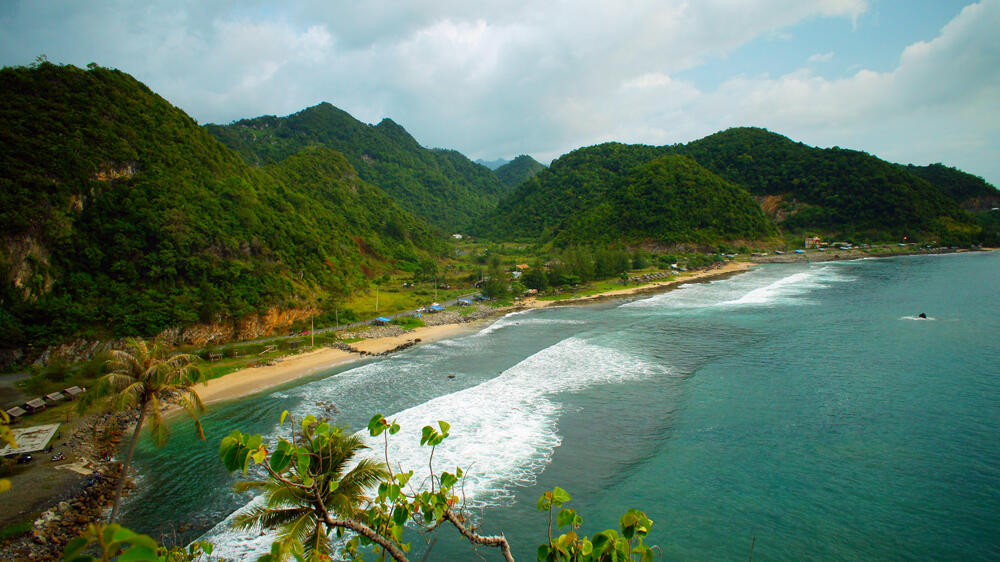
(91, 447)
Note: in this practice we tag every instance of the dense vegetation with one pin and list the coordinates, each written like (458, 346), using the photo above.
(845, 192)
(669, 201)
(118, 212)
(518, 171)
(573, 183)
(969, 191)
(441, 186)
(836, 192)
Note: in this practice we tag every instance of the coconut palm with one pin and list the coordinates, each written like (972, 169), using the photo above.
(292, 508)
(143, 376)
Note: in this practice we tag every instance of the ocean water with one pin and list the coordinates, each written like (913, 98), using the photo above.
(801, 408)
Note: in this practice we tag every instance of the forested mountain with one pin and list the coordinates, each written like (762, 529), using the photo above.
(842, 193)
(540, 207)
(118, 212)
(827, 190)
(440, 186)
(671, 200)
(518, 171)
(492, 164)
(969, 191)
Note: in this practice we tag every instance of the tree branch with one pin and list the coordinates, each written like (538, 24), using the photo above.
(475, 538)
(366, 531)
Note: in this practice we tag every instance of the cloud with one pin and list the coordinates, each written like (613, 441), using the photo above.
(498, 78)
(822, 57)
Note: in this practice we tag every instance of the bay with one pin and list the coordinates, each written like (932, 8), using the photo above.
(801, 408)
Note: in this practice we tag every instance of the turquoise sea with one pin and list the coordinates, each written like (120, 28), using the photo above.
(803, 408)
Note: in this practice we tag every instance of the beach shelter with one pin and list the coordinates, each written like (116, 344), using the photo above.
(434, 308)
(15, 412)
(35, 405)
(464, 302)
(55, 397)
(73, 391)
(382, 320)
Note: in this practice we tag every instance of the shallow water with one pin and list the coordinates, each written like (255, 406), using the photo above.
(801, 404)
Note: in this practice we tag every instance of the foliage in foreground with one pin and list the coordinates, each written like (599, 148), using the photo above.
(310, 495)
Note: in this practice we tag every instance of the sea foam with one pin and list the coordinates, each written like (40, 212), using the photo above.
(503, 431)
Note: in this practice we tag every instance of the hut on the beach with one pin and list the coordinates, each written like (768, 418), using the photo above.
(55, 397)
(15, 413)
(34, 405)
(73, 392)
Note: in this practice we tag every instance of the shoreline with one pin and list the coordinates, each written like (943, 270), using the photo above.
(246, 382)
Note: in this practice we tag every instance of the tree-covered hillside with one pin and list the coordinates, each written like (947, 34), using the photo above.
(440, 186)
(828, 190)
(973, 193)
(671, 200)
(540, 207)
(119, 213)
(518, 171)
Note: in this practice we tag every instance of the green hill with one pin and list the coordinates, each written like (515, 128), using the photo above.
(834, 190)
(671, 200)
(440, 186)
(518, 171)
(540, 207)
(120, 215)
(973, 193)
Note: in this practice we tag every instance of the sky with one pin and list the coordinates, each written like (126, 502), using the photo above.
(914, 81)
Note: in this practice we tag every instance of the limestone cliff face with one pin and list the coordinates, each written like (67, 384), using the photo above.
(275, 322)
(248, 328)
(27, 263)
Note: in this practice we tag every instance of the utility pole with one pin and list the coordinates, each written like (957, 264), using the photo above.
(435, 288)
(376, 297)
(312, 330)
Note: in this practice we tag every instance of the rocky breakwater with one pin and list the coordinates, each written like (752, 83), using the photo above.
(82, 500)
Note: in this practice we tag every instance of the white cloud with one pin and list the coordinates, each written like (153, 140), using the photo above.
(498, 78)
(822, 57)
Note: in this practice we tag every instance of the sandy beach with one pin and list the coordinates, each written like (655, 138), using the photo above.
(257, 379)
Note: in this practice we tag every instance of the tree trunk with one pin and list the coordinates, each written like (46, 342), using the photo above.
(128, 460)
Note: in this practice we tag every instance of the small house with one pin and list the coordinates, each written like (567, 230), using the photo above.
(35, 405)
(55, 397)
(73, 392)
(15, 413)
(464, 302)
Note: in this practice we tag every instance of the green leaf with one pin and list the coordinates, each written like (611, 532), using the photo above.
(543, 552)
(560, 496)
(394, 429)
(139, 553)
(280, 459)
(334, 484)
(544, 501)
(400, 515)
(445, 426)
(425, 434)
(284, 415)
(566, 517)
(323, 429)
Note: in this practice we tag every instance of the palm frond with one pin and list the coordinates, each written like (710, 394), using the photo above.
(318, 542)
(258, 518)
(299, 529)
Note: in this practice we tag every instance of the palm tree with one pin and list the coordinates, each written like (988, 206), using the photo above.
(143, 376)
(292, 509)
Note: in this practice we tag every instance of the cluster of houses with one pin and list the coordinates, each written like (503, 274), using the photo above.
(36, 405)
(648, 277)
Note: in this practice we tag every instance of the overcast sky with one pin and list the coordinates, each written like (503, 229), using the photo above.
(908, 80)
